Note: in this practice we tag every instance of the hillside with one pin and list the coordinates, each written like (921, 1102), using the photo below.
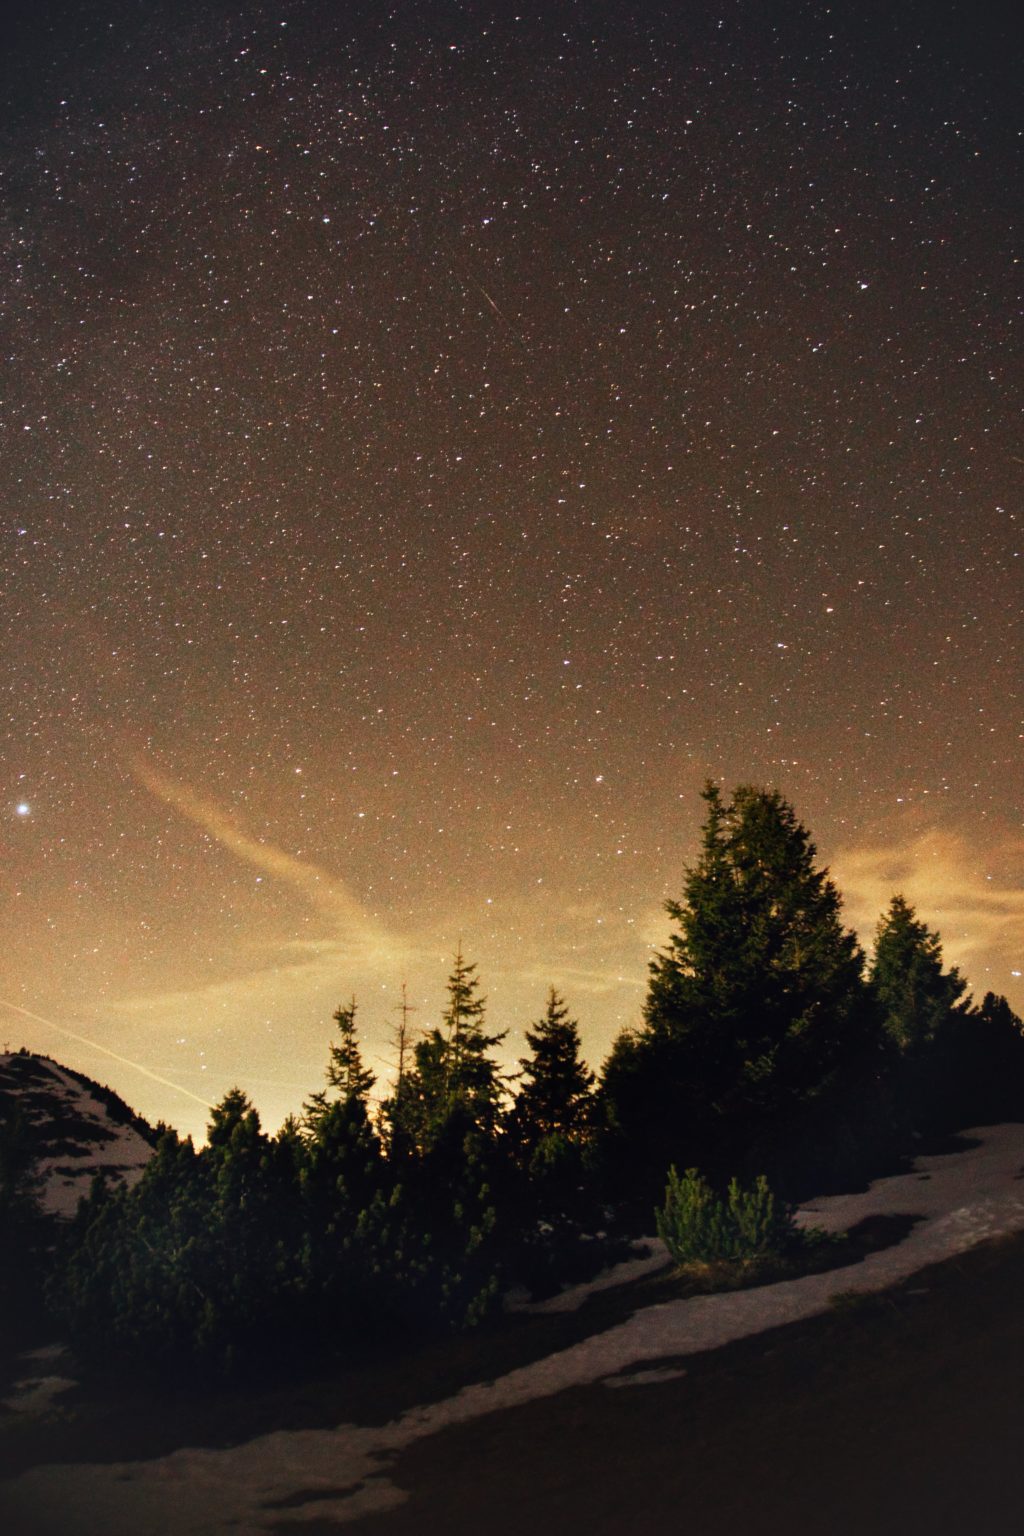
(874, 1389)
(74, 1127)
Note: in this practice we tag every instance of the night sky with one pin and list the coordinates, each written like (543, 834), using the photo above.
(436, 439)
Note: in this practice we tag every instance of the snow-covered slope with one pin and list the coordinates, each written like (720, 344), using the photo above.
(76, 1129)
(305, 1478)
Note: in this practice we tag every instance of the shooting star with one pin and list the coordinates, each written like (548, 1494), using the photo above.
(69, 1034)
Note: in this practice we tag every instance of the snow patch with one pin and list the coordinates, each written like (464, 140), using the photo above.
(291, 1477)
(36, 1394)
(573, 1297)
(39, 1382)
(79, 1128)
(653, 1374)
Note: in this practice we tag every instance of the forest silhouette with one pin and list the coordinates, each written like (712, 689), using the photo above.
(772, 1053)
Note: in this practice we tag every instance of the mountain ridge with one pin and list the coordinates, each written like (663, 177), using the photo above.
(71, 1128)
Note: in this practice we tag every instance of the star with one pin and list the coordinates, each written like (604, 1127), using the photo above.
(419, 450)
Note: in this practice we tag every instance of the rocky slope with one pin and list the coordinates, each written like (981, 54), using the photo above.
(73, 1127)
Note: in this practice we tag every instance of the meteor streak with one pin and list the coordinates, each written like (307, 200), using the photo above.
(95, 1046)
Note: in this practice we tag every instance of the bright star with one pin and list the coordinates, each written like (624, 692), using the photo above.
(23, 809)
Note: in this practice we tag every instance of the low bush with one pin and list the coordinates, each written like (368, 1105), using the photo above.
(696, 1224)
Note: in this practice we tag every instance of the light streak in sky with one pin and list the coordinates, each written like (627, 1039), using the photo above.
(324, 890)
(94, 1045)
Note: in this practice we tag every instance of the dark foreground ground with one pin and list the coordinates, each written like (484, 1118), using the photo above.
(902, 1413)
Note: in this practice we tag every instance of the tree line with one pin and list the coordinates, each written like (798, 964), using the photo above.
(769, 1045)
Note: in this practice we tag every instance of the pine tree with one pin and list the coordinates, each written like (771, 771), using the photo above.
(234, 1123)
(918, 997)
(554, 1098)
(25, 1238)
(453, 1073)
(345, 1074)
(761, 975)
(345, 1070)
(19, 1178)
(924, 1012)
(548, 1129)
(757, 1014)
(343, 1169)
(992, 1062)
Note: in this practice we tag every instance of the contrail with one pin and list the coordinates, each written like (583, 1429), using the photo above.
(323, 890)
(93, 1045)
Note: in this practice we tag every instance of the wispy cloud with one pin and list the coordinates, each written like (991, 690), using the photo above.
(965, 894)
(323, 890)
(351, 938)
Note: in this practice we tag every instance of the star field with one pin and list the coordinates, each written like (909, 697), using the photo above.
(436, 440)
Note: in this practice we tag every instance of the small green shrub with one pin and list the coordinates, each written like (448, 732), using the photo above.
(696, 1224)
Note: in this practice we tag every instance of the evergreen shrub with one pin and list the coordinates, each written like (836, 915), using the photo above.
(696, 1224)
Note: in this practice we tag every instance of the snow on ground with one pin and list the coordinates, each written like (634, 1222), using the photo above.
(290, 1477)
(655, 1257)
(40, 1386)
(77, 1135)
(37, 1394)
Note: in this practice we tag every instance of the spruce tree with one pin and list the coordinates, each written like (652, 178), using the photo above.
(453, 1167)
(761, 976)
(924, 1013)
(992, 1056)
(474, 1080)
(554, 1097)
(343, 1166)
(454, 1074)
(757, 1019)
(548, 1128)
(919, 998)
(345, 1070)
(350, 1081)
